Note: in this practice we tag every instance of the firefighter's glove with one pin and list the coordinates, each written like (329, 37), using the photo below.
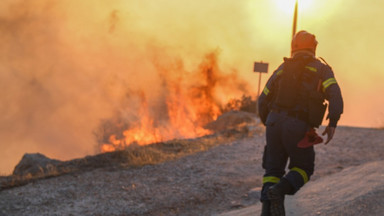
(311, 138)
(330, 131)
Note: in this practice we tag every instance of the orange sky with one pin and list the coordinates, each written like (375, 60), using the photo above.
(64, 65)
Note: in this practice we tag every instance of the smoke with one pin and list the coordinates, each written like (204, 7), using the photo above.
(66, 66)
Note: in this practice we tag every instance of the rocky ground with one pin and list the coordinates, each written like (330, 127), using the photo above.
(223, 179)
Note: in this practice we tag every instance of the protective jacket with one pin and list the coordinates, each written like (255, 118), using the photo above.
(294, 96)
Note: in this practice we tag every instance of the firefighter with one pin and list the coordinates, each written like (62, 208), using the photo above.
(291, 105)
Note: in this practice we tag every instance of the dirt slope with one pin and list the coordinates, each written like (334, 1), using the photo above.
(354, 191)
(213, 182)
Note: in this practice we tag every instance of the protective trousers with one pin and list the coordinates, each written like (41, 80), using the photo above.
(283, 134)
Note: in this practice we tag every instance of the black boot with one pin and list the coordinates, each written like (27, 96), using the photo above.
(276, 195)
(265, 209)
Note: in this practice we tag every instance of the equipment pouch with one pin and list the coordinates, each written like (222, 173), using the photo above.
(316, 109)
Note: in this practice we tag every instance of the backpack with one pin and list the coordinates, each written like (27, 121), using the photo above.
(299, 90)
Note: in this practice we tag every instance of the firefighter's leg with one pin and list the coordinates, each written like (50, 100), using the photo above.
(301, 167)
(274, 163)
(274, 159)
(302, 160)
(292, 130)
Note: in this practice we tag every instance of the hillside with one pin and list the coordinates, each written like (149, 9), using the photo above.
(211, 181)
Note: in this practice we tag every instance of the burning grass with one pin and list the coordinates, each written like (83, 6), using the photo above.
(133, 156)
(185, 102)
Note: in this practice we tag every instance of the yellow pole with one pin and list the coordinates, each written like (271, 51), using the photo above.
(294, 20)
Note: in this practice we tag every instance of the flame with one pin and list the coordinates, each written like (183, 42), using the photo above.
(188, 107)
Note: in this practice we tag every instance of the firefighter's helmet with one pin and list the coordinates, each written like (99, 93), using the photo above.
(303, 40)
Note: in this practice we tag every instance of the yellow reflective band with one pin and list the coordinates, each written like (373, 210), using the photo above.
(270, 179)
(328, 82)
(302, 173)
(279, 72)
(311, 68)
(266, 90)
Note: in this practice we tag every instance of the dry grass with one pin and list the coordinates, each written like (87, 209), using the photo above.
(133, 156)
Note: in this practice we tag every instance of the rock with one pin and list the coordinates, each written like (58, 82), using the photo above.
(35, 164)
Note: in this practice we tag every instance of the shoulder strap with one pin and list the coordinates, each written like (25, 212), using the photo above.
(325, 62)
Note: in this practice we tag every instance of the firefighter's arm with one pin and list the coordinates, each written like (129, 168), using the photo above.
(263, 108)
(265, 98)
(333, 95)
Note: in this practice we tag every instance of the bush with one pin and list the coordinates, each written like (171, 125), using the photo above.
(245, 103)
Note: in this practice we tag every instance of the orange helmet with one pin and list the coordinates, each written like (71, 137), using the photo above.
(303, 41)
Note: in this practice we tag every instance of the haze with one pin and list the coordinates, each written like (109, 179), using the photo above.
(65, 65)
